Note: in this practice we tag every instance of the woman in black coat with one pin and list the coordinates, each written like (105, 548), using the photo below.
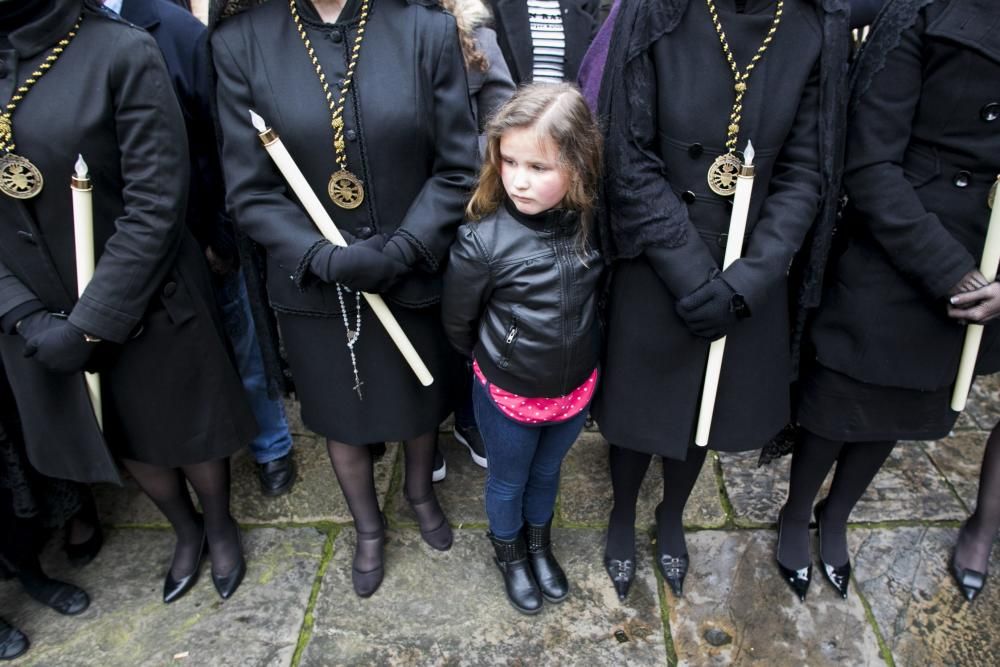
(667, 94)
(923, 151)
(173, 409)
(544, 40)
(410, 139)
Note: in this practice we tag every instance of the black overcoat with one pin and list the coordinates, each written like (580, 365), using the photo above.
(923, 151)
(580, 23)
(109, 98)
(678, 93)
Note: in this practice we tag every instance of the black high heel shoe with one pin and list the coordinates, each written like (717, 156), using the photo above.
(366, 582)
(174, 589)
(839, 576)
(226, 584)
(798, 580)
(622, 572)
(439, 537)
(674, 569)
(970, 582)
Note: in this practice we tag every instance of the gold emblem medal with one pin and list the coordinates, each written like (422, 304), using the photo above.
(345, 189)
(19, 178)
(722, 174)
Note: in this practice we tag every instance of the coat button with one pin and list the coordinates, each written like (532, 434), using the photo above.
(962, 179)
(695, 150)
(721, 239)
(169, 289)
(688, 197)
(336, 37)
(27, 237)
(990, 112)
(351, 135)
(364, 233)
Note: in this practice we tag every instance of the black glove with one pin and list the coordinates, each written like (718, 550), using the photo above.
(401, 250)
(36, 323)
(711, 310)
(360, 266)
(61, 348)
(27, 319)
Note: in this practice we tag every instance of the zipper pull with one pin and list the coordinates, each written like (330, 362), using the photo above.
(511, 335)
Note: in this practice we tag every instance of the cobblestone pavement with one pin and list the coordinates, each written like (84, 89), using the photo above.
(296, 606)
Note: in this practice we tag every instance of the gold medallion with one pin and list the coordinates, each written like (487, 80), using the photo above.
(345, 189)
(722, 174)
(19, 178)
(992, 197)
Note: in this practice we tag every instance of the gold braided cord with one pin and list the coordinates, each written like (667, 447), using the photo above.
(7, 117)
(336, 108)
(741, 78)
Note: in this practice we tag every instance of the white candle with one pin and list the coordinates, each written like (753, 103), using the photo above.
(83, 235)
(974, 332)
(734, 249)
(297, 181)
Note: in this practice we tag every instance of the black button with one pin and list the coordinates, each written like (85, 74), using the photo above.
(695, 151)
(336, 37)
(688, 197)
(27, 237)
(351, 135)
(169, 289)
(962, 179)
(364, 233)
(990, 112)
(721, 239)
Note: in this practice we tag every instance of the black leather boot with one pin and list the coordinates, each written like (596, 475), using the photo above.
(512, 559)
(549, 575)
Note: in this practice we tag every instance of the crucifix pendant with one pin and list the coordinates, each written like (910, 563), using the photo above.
(357, 387)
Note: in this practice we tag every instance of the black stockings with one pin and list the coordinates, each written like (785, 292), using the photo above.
(857, 465)
(975, 539)
(628, 468)
(167, 488)
(354, 468)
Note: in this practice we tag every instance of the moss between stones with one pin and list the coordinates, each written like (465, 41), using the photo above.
(305, 633)
(870, 617)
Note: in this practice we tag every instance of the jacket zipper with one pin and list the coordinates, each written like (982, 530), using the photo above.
(564, 302)
(509, 341)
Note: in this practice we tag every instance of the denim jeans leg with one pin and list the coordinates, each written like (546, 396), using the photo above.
(543, 478)
(510, 447)
(273, 440)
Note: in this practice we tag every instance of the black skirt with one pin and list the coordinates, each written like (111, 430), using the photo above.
(393, 404)
(839, 407)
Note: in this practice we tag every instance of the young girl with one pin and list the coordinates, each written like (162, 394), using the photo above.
(520, 299)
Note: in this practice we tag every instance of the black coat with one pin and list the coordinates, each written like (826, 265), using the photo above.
(414, 146)
(522, 300)
(658, 203)
(923, 151)
(109, 98)
(580, 23)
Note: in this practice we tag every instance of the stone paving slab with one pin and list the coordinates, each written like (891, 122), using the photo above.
(959, 459)
(460, 494)
(736, 610)
(908, 488)
(449, 608)
(984, 402)
(903, 574)
(585, 496)
(127, 623)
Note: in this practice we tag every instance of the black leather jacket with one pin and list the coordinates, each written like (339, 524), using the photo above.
(522, 300)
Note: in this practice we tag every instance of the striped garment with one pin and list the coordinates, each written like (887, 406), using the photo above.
(548, 40)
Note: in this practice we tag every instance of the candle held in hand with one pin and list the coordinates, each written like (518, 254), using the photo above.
(83, 236)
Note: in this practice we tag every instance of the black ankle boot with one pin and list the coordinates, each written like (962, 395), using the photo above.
(512, 559)
(548, 574)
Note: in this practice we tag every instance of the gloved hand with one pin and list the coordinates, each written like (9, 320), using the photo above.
(711, 310)
(360, 266)
(401, 250)
(37, 322)
(61, 348)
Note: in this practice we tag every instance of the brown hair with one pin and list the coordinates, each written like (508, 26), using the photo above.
(466, 15)
(559, 112)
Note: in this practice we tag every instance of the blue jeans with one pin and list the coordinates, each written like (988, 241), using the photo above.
(523, 477)
(273, 441)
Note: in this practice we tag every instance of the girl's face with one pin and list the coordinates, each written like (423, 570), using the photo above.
(530, 170)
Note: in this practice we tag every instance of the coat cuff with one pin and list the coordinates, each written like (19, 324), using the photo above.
(102, 321)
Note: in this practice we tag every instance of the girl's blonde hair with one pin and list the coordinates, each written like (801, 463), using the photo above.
(559, 112)
(469, 15)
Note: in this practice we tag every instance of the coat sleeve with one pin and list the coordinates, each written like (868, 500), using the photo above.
(154, 165)
(436, 212)
(468, 283)
(914, 239)
(790, 207)
(14, 294)
(256, 194)
(498, 86)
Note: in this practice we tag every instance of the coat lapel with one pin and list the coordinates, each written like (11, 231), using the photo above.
(513, 28)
